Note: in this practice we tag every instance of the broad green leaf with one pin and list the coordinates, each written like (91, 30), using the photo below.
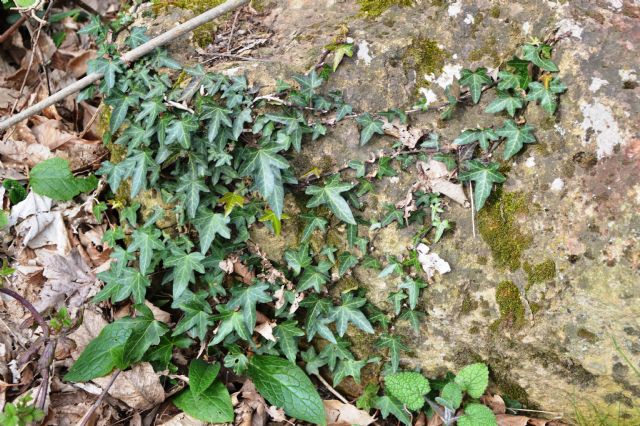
(473, 379)
(333, 352)
(179, 130)
(450, 396)
(484, 176)
(505, 102)
(313, 222)
(349, 312)
(389, 405)
(130, 282)
(197, 316)
(212, 406)
(190, 187)
(298, 259)
(53, 178)
(145, 332)
(146, 240)
(368, 127)
(475, 80)
(515, 136)
(407, 387)
(285, 385)
(546, 93)
(384, 168)
(477, 415)
(395, 345)
(330, 194)
(137, 37)
(483, 136)
(184, 267)
(96, 359)
(287, 334)
(201, 375)
(210, 224)
(308, 83)
(264, 165)
(508, 81)
(539, 55)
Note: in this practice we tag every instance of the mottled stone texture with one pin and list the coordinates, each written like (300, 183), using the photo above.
(551, 282)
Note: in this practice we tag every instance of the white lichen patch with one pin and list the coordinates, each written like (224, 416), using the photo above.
(615, 4)
(600, 125)
(526, 28)
(431, 262)
(449, 73)
(364, 54)
(531, 162)
(557, 185)
(597, 83)
(469, 19)
(455, 8)
(570, 27)
(429, 95)
(628, 75)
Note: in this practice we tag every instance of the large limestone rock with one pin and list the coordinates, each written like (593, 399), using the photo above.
(548, 291)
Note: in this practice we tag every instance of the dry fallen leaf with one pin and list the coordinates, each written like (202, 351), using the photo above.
(139, 387)
(183, 419)
(340, 414)
(509, 420)
(495, 402)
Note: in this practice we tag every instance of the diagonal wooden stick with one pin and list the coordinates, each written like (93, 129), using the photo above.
(127, 58)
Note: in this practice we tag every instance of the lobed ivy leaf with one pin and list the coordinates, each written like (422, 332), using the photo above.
(109, 69)
(123, 284)
(515, 137)
(247, 297)
(508, 80)
(484, 176)
(145, 240)
(546, 93)
(184, 267)
(349, 312)
(475, 81)
(505, 102)
(137, 37)
(539, 55)
(189, 188)
(413, 287)
(395, 345)
(348, 367)
(313, 222)
(389, 405)
(209, 224)
(368, 127)
(145, 332)
(287, 334)
(483, 136)
(330, 194)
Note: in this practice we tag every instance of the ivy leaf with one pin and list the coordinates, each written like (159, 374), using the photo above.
(107, 67)
(264, 165)
(346, 261)
(509, 80)
(389, 405)
(276, 223)
(368, 127)
(450, 396)
(145, 332)
(162, 354)
(247, 297)
(120, 286)
(521, 68)
(179, 130)
(313, 222)
(413, 287)
(210, 224)
(96, 359)
(395, 345)
(211, 406)
(184, 267)
(339, 52)
(217, 116)
(484, 176)
(190, 186)
(119, 103)
(146, 240)
(384, 168)
(477, 415)
(285, 385)
(143, 164)
(407, 387)
(505, 101)
(231, 321)
(314, 277)
(452, 100)
(150, 110)
(348, 368)
(201, 375)
(473, 379)
(540, 56)
(358, 166)
(137, 37)
(230, 201)
(349, 312)
(484, 136)
(547, 93)
(342, 111)
(475, 80)
(333, 352)
(330, 195)
(197, 316)
(515, 136)
(308, 83)
(298, 259)
(287, 334)
(53, 178)
(415, 318)
(238, 123)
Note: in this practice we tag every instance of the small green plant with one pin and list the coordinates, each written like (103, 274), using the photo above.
(20, 413)
(60, 320)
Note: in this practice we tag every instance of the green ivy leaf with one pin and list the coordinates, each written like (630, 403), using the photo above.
(313, 222)
(180, 129)
(413, 287)
(264, 165)
(109, 69)
(521, 68)
(407, 387)
(53, 178)
(314, 277)
(137, 37)
(473, 379)
(120, 286)
(333, 352)
(349, 312)
(475, 80)
(505, 101)
(508, 80)
(368, 127)
(484, 176)
(145, 332)
(197, 316)
(217, 116)
(339, 52)
(285, 385)
(146, 240)
(395, 345)
(246, 297)
(389, 405)
(298, 259)
(184, 267)
(348, 368)
(201, 375)
(346, 261)
(209, 224)
(330, 194)
(540, 56)
(415, 318)
(212, 406)
(546, 94)
(483, 136)
(477, 415)
(515, 136)
(384, 168)
(308, 83)
(189, 187)
(287, 334)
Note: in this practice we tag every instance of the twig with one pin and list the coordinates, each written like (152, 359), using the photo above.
(34, 312)
(473, 210)
(233, 28)
(12, 29)
(85, 419)
(127, 58)
(331, 389)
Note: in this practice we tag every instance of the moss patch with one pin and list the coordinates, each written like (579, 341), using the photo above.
(203, 35)
(511, 307)
(539, 273)
(425, 57)
(499, 229)
(468, 305)
(373, 8)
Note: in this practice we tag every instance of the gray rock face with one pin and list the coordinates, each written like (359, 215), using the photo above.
(548, 292)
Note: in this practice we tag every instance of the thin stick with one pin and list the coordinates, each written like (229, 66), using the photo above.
(127, 58)
(233, 28)
(473, 210)
(12, 29)
(85, 419)
(331, 389)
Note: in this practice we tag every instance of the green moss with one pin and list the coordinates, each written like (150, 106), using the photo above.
(535, 308)
(495, 11)
(203, 35)
(425, 57)
(497, 223)
(510, 388)
(539, 273)
(488, 49)
(511, 307)
(468, 305)
(587, 335)
(373, 8)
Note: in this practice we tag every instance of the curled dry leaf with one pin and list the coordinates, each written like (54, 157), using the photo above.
(433, 176)
(408, 136)
(340, 414)
(44, 229)
(139, 387)
(266, 330)
(495, 402)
